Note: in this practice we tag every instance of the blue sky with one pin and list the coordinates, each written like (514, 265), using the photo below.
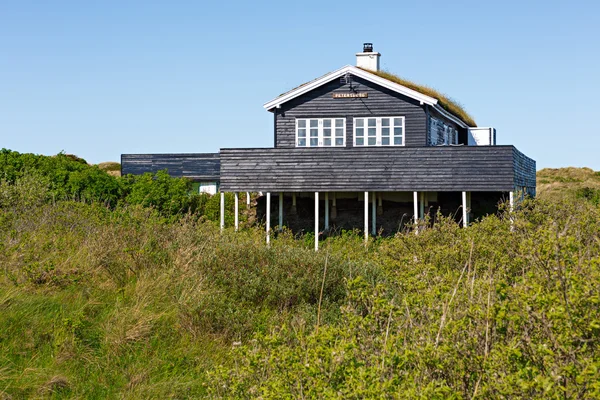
(98, 79)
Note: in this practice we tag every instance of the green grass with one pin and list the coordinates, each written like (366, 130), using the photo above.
(557, 183)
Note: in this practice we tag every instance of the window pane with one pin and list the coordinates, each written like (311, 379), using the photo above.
(360, 141)
(339, 142)
(372, 121)
(360, 131)
(360, 122)
(314, 123)
(398, 140)
(385, 141)
(385, 131)
(301, 123)
(301, 142)
(327, 142)
(314, 142)
(327, 132)
(372, 141)
(327, 123)
(339, 132)
(314, 132)
(397, 131)
(385, 122)
(372, 131)
(339, 123)
(301, 132)
(397, 121)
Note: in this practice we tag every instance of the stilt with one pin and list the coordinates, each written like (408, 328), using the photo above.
(511, 199)
(247, 199)
(316, 221)
(237, 209)
(464, 207)
(293, 210)
(422, 206)
(280, 210)
(222, 223)
(366, 218)
(326, 211)
(374, 214)
(416, 210)
(333, 208)
(379, 204)
(268, 218)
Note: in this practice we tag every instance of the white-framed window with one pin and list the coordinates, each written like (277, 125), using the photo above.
(441, 133)
(379, 131)
(320, 132)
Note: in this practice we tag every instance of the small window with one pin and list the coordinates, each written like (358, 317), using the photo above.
(322, 132)
(381, 131)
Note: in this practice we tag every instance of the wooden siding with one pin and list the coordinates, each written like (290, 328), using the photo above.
(449, 168)
(319, 103)
(198, 167)
(525, 170)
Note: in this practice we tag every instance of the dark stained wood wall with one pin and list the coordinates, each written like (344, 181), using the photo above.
(319, 103)
(198, 167)
(448, 168)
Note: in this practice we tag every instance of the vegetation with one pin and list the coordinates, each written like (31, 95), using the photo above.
(128, 300)
(573, 183)
(446, 102)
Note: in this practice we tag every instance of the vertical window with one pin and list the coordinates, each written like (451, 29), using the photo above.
(381, 131)
(320, 132)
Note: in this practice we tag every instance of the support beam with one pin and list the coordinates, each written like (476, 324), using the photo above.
(268, 218)
(222, 211)
(237, 211)
(293, 210)
(422, 206)
(366, 217)
(247, 199)
(280, 210)
(416, 209)
(379, 204)
(511, 199)
(316, 221)
(374, 214)
(326, 211)
(334, 208)
(465, 209)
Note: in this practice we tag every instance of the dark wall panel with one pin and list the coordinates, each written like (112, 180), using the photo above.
(198, 167)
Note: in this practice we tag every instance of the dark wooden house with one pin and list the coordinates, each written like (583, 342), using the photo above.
(361, 145)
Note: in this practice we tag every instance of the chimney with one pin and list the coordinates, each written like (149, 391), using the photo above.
(368, 59)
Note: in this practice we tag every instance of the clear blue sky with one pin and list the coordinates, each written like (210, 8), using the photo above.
(98, 79)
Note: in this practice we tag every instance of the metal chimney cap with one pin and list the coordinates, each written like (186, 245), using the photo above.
(367, 47)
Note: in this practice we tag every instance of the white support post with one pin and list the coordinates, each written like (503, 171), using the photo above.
(464, 206)
(222, 222)
(511, 199)
(237, 210)
(366, 217)
(374, 214)
(316, 221)
(422, 206)
(268, 218)
(280, 210)
(416, 209)
(333, 207)
(326, 211)
(247, 199)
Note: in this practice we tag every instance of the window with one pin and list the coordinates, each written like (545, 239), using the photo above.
(380, 131)
(320, 132)
(441, 133)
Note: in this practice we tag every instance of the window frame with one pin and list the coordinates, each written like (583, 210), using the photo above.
(320, 132)
(378, 129)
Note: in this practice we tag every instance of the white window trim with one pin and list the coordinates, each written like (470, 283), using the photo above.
(378, 132)
(320, 135)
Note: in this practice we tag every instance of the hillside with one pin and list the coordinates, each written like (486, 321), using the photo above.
(555, 183)
(140, 300)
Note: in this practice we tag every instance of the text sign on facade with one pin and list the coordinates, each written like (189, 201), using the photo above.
(350, 95)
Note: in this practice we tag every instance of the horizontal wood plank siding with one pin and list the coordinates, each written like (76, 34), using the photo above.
(525, 170)
(451, 168)
(198, 167)
(319, 103)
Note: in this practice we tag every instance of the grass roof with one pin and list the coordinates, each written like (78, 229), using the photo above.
(444, 101)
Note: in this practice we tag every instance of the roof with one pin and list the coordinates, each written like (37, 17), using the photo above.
(423, 94)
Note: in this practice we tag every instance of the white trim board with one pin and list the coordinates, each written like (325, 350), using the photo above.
(359, 73)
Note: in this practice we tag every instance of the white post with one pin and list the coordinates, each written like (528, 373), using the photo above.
(326, 210)
(316, 221)
(247, 199)
(422, 206)
(511, 198)
(366, 217)
(222, 224)
(464, 205)
(416, 209)
(268, 218)
(374, 214)
(280, 210)
(237, 208)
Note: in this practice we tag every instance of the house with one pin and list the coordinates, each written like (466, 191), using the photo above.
(368, 149)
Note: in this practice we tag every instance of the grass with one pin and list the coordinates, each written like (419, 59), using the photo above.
(556, 183)
(111, 167)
